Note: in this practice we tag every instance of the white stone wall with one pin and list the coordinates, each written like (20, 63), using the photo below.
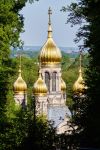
(54, 97)
(41, 105)
(20, 99)
(51, 70)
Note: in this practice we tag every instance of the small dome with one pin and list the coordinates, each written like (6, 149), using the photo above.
(63, 85)
(39, 88)
(20, 85)
(79, 85)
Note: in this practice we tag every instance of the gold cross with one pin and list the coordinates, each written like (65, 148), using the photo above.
(80, 58)
(49, 13)
(20, 57)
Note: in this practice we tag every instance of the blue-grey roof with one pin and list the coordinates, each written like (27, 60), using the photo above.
(57, 114)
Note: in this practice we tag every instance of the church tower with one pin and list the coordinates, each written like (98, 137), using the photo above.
(50, 61)
(20, 89)
(79, 85)
(40, 93)
(50, 89)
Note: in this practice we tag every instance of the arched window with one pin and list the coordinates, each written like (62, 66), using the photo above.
(64, 95)
(47, 80)
(54, 74)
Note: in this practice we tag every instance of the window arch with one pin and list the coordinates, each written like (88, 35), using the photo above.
(54, 75)
(64, 95)
(47, 80)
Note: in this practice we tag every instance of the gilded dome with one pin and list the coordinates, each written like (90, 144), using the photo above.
(40, 88)
(63, 85)
(79, 85)
(20, 85)
(50, 54)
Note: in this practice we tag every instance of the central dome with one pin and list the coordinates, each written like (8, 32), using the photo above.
(50, 54)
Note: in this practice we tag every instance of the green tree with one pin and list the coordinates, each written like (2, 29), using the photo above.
(11, 25)
(86, 13)
(41, 135)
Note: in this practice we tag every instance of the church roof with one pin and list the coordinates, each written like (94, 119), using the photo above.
(57, 114)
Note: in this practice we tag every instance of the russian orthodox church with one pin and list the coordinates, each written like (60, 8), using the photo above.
(50, 89)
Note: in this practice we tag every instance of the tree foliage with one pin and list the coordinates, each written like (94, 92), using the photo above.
(86, 13)
(11, 25)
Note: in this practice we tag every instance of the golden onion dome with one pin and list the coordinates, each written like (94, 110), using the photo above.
(79, 85)
(63, 85)
(50, 54)
(40, 88)
(20, 85)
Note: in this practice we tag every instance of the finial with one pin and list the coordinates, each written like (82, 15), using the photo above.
(49, 13)
(20, 59)
(19, 65)
(80, 59)
(39, 71)
(49, 23)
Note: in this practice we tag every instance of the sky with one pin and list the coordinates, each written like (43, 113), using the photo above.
(36, 23)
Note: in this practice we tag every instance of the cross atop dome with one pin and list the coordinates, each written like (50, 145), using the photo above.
(49, 23)
(20, 65)
(20, 57)
(80, 59)
(49, 13)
